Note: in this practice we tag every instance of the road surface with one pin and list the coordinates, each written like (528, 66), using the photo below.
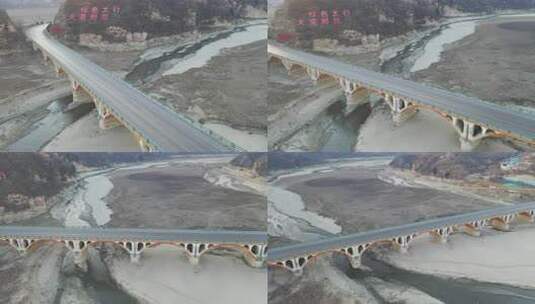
(134, 234)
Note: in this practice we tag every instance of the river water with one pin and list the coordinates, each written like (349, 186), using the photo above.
(434, 48)
(53, 119)
(248, 35)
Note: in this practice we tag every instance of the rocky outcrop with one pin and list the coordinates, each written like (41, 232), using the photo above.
(106, 23)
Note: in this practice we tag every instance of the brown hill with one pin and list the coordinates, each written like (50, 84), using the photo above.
(140, 20)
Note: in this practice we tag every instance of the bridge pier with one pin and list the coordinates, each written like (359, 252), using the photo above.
(58, 69)
(21, 245)
(79, 95)
(45, 56)
(401, 109)
(106, 118)
(355, 95)
(79, 250)
(470, 134)
(502, 223)
(442, 234)
(474, 228)
(402, 242)
(287, 64)
(528, 216)
(354, 254)
(314, 74)
(135, 249)
(257, 256)
(143, 144)
(195, 250)
(296, 265)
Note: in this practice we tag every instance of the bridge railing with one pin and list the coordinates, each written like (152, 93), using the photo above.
(333, 243)
(133, 234)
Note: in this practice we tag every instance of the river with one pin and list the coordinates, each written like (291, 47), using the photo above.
(50, 121)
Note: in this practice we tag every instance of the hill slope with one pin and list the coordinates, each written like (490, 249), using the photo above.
(141, 20)
(366, 22)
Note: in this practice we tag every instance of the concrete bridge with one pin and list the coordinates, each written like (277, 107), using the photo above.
(473, 119)
(294, 258)
(155, 127)
(252, 244)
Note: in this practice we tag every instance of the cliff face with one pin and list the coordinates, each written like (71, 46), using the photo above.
(367, 22)
(140, 20)
(461, 165)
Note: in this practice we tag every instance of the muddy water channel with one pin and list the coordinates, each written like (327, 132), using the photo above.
(49, 121)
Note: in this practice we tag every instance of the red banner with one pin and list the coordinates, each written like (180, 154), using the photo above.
(95, 14)
(324, 17)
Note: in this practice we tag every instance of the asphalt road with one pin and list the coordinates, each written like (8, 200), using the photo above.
(518, 124)
(126, 234)
(163, 128)
(305, 249)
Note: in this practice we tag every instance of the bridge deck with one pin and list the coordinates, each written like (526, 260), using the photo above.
(304, 249)
(160, 126)
(131, 234)
(472, 109)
